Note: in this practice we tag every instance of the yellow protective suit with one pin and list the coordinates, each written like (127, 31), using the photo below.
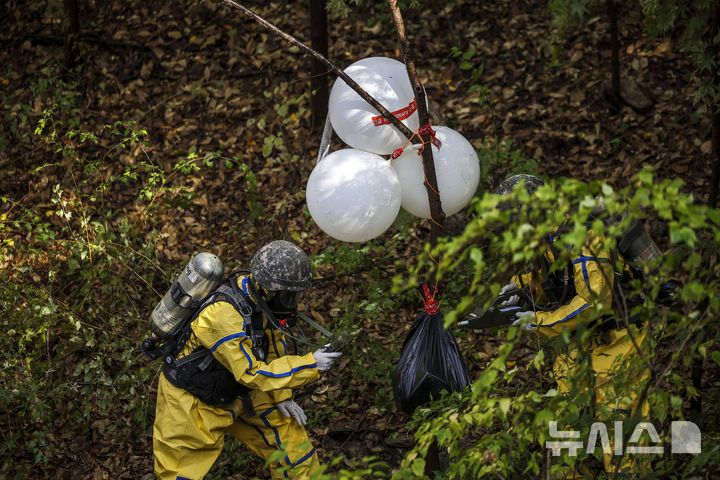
(593, 277)
(188, 434)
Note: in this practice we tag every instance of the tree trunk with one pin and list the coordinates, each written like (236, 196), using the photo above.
(614, 51)
(319, 82)
(714, 112)
(716, 154)
(713, 109)
(72, 50)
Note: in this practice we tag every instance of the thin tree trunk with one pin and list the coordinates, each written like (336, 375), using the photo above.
(614, 51)
(436, 213)
(714, 110)
(697, 368)
(716, 154)
(319, 82)
(72, 50)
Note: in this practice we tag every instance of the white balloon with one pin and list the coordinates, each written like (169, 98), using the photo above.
(354, 120)
(352, 195)
(457, 168)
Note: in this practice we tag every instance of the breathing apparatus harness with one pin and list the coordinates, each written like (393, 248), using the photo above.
(200, 373)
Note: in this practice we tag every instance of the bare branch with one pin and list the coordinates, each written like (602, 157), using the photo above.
(436, 212)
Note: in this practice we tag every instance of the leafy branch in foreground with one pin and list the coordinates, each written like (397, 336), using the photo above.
(499, 428)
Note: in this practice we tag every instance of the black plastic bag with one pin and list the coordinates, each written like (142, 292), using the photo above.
(430, 363)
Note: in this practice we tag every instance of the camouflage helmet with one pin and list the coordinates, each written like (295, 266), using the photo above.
(281, 266)
(532, 183)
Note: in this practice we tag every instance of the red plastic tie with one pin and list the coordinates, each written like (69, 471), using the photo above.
(396, 153)
(427, 130)
(432, 306)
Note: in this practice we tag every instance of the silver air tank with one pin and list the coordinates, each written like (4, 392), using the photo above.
(198, 279)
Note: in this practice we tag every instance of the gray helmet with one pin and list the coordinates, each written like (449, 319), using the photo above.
(281, 266)
(532, 183)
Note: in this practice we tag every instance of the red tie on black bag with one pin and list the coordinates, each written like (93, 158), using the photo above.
(430, 361)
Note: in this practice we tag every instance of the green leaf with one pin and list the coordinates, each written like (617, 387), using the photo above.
(538, 360)
(418, 467)
(692, 291)
(645, 176)
(716, 356)
(73, 264)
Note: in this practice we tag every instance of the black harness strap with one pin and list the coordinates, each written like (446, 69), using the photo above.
(199, 372)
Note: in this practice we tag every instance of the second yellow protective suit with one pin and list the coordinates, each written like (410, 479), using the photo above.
(592, 277)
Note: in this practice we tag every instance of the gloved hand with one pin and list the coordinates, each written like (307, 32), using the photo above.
(514, 299)
(325, 359)
(524, 320)
(289, 407)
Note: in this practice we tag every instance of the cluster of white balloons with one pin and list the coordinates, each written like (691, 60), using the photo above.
(354, 194)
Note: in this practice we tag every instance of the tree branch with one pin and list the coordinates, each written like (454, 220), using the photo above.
(437, 215)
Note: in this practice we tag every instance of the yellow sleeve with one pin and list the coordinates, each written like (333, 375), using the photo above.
(523, 280)
(221, 329)
(531, 281)
(278, 348)
(593, 277)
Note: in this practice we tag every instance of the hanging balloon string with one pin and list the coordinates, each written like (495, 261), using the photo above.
(431, 305)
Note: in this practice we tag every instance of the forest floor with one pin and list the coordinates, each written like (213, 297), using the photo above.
(200, 77)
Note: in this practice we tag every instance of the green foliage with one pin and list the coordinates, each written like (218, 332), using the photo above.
(476, 72)
(364, 468)
(234, 458)
(77, 354)
(499, 427)
(19, 114)
(499, 160)
(75, 277)
(566, 14)
(694, 20)
(95, 155)
(371, 300)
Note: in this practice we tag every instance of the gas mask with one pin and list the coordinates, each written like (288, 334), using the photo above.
(284, 305)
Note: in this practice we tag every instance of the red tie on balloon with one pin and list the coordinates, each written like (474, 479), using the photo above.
(423, 130)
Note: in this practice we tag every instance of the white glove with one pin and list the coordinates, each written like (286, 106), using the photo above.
(524, 320)
(513, 300)
(289, 407)
(325, 359)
